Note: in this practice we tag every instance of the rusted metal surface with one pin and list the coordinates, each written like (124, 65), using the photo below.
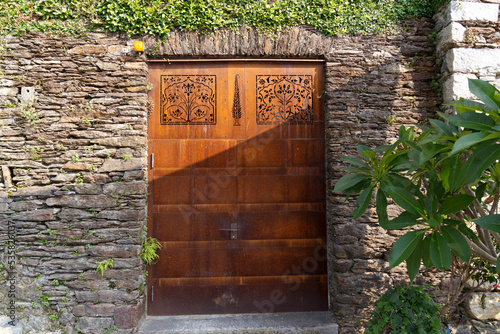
(237, 191)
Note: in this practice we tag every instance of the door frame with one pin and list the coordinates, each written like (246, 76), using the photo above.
(149, 291)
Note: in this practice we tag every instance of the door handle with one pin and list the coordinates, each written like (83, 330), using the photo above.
(233, 229)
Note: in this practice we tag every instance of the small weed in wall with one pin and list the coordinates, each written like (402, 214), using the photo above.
(79, 178)
(126, 157)
(75, 158)
(34, 151)
(29, 113)
(149, 250)
(61, 147)
(104, 265)
(391, 119)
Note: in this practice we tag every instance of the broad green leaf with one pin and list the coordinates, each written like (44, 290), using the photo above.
(353, 161)
(462, 227)
(468, 140)
(429, 152)
(363, 201)
(404, 246)
(405, 199)
(432, 222)
(485, 91)
(349, 180)
(455, 203)
(467, 105)
(456, 242)
(480, 190)
(399, 223)
(353, 169)
(485, 155)
(382, 207)
(472, 120)
(414, 146)
(387, 160)
(498, 265)
(382, 148)
(413, 261)
(372, 156)
(456, 178)
(441, 126)
(445, 174)
(491, 222)
(426, 255)
(363, 148)
(440, 252)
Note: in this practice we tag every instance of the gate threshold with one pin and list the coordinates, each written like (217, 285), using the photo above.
(262, 323)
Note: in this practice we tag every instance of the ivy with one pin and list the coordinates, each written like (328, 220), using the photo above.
(159, 17)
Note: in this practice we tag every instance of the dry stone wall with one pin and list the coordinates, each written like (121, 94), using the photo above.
(73, 153)
(373, 84)
(73, 159)
(469, 48)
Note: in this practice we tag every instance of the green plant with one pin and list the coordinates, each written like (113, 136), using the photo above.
(82, 274)
(110, 330)
(104, 265)
(404, 309)
(79, 178)
(75, 158)
(149, 250)
(126, 157)
(75, 252)
(65, 299)
(34, 151)
(447, 181)
(55, 282)
(44, 299)
(29, 113)
(391, 119)
(60, 147)
(53, 316)
(91, 168)
(79, 330)
(34, 304)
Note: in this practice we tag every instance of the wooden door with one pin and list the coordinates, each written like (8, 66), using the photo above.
(237, 187)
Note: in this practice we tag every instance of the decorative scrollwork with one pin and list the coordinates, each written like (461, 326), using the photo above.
(236, 112)
(284, 98)
(188, 99)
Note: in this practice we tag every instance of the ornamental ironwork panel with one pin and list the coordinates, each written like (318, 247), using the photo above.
(284, 98)
(188, 99)
(236, 111)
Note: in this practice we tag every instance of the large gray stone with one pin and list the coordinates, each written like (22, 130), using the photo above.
(467, 60)
(114, 165)
(273, 323)
(457, 86)
(484, 306)
(452, 33)
(82, 201)
(36, 215)
(34, 191)
(125, 188)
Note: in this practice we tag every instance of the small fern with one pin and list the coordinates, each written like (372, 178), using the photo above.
(104, 265)
(149, 248)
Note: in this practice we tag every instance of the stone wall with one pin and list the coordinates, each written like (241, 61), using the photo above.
(469, 47)
(73, 160)
(73, 182)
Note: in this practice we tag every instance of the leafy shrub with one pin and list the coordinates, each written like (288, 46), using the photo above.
(405, 309)
(159, 17)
